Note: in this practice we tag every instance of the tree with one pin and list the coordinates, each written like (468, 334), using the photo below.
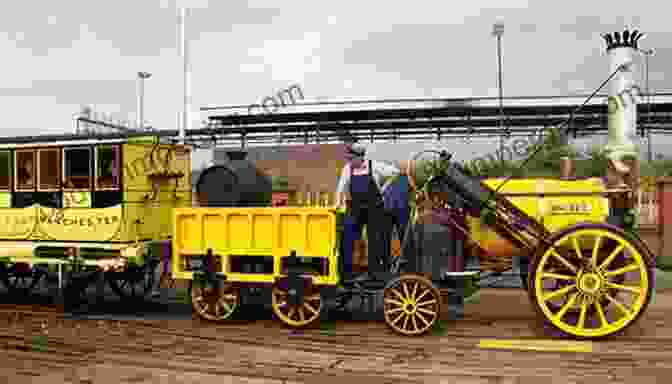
(545, 157)
(544, 161)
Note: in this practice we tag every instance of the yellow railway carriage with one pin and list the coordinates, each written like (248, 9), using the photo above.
(96, 204)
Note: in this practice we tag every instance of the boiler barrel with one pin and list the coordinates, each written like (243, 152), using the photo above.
(556, 203)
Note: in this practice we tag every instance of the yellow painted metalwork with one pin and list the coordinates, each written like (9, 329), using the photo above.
(15, 250)
(250, 232)
(149, 200)
(592, 304)
(538, 345)
(67, 224)
(557, 204)
(155, 179)
(5, 200)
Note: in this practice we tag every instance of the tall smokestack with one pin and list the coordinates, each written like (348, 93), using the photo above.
(622, 146)
(622, 142)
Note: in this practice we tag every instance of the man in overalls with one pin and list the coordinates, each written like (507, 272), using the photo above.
(366, 207)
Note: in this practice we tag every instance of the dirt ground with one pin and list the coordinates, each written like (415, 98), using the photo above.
(39, 345)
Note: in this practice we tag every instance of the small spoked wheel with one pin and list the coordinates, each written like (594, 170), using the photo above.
(412, 305)
(592, 281)
(297, 316)
(215, 303)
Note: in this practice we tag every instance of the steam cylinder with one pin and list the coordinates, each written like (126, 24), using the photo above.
(237, 183)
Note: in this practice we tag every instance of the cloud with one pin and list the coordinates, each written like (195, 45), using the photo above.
(77, 91)
(135, 28)
(289, 60)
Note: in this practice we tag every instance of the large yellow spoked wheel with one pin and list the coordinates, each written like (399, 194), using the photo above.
(215, 304)
(297, 316)
(592, 281)
(412, 305)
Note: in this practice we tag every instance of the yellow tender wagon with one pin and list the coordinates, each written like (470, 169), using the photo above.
(253, 246)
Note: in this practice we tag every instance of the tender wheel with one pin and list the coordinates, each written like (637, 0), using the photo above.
(601, 280)
(215, 304)
(297, 316)
(412, 305)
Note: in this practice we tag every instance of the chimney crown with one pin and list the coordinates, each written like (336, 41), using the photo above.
(626, 39)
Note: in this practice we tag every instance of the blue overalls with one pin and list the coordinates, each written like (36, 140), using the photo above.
(367, 207)
(396, 203)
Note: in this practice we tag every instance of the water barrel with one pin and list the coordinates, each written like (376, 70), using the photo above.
(237, 183)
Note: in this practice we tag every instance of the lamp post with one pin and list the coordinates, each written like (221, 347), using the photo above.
(141, 97)
(648, 53)
(498, 31)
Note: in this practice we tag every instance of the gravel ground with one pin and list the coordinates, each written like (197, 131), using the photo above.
(40, 345)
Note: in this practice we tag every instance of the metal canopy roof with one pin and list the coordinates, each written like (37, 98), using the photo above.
(429, 123)
(425, 123)
(462, 112)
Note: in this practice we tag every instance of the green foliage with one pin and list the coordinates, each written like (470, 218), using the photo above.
(547, 156)
(545, 163)
(493, 168)
(656, 168)
(428, 168)
(596, 164)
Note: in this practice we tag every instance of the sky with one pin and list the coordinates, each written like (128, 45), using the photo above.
(58, 56)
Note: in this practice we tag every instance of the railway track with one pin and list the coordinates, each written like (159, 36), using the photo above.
(43, 345)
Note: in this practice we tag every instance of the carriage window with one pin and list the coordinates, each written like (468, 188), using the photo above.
(49, 169)
(5, 170)
(25, 170)
(77, 168)
(107, 167)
